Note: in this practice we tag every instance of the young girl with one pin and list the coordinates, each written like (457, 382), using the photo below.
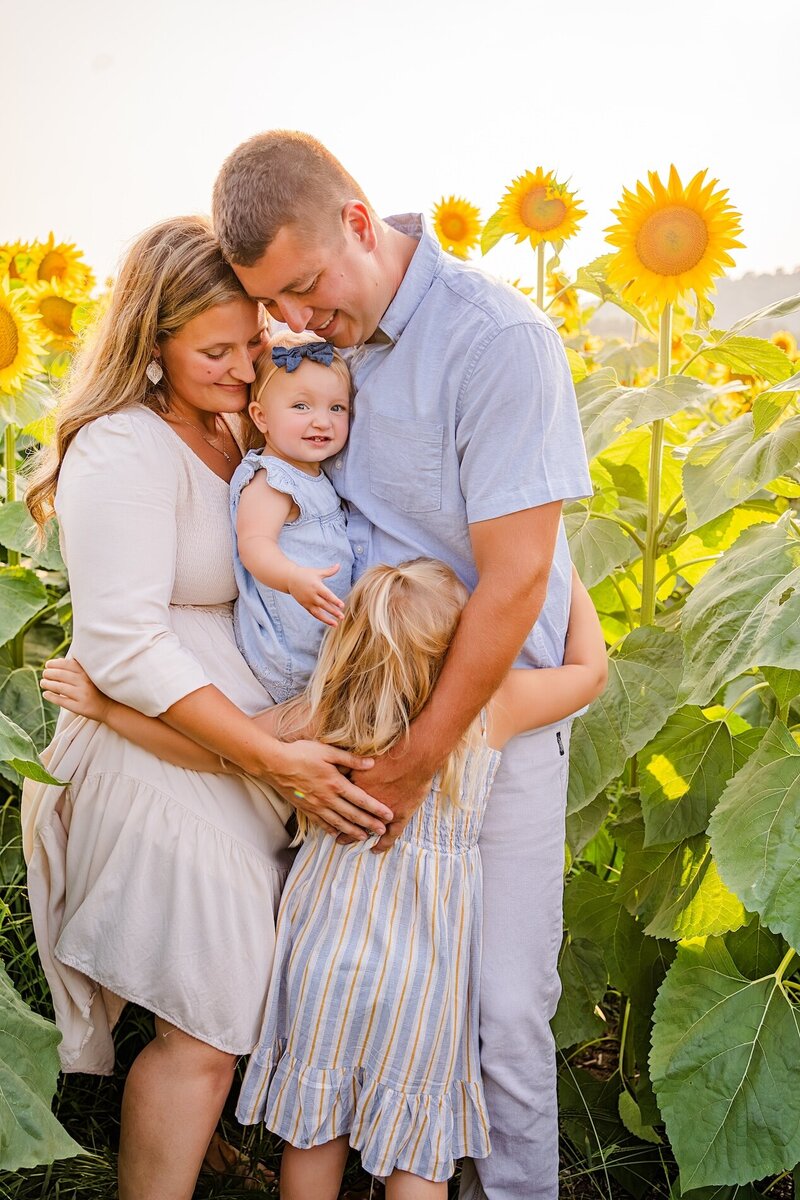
(370, 1037)
(286, 513)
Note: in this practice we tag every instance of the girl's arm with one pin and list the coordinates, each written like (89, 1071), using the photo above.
(65, 683)
(261, 515)
(528, 699)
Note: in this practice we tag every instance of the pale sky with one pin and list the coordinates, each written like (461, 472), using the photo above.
(118, 115)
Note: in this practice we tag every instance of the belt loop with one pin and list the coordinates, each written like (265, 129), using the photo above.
(560, 743)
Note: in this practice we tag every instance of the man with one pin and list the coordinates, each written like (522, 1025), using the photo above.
(464, 443)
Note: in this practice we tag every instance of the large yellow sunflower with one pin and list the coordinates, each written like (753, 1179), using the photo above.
(672, 239)
(61, 261)
(537, 207)
(55, 305)
(457, 224)
(20, 345)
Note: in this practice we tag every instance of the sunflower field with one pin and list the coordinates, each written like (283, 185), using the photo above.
(678, 1027)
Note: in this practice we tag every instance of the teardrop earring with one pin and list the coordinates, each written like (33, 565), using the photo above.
(154, 371)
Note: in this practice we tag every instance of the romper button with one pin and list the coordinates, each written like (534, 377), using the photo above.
(338, 464)
(359, 549)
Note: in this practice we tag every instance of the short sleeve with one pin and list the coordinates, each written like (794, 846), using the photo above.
(518, 434)
(117, 508)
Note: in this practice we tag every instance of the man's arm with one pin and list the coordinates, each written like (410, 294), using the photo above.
(513, 555)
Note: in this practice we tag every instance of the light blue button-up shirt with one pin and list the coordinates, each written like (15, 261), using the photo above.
(465, 413)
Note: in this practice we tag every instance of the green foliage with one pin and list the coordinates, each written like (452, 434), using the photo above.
(726, 1068)
(745, 612)
(755, 833)
(731, 464)
(642, 690)
(29, 1133)
(684, 798)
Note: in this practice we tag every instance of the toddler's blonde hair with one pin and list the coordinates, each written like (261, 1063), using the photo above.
(379, 665)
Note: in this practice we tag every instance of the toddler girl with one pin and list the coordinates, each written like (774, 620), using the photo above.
(370, 1036)
(289, 525)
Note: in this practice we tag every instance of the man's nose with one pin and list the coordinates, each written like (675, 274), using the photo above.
(295, 315)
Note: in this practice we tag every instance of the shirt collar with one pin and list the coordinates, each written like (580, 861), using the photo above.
(418, 277)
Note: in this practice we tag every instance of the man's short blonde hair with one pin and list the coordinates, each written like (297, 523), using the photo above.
(275, 179)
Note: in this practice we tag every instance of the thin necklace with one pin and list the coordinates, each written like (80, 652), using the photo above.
(219, 449)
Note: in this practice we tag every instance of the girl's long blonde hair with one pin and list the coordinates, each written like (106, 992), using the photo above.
(172, 273)
(379, 665)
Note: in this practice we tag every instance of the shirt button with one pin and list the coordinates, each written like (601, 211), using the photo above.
(338, 464)
(359, 549)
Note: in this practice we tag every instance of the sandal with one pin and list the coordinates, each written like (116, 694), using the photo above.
(222, 1158)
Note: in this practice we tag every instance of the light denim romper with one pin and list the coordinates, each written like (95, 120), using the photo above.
(279, 639)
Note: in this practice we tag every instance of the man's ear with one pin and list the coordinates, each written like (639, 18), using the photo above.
(359, 223)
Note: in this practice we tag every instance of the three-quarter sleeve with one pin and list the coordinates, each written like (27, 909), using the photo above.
(117, 508)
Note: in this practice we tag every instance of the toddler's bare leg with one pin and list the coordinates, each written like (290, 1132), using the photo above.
(402, 1186)
(314, 1172)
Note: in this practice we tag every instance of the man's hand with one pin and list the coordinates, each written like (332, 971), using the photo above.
(402, 782)
(306, 587)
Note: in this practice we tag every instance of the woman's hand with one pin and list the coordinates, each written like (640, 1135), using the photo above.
(309, 775)
(65, 683)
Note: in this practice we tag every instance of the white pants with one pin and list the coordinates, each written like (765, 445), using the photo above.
(522, 847)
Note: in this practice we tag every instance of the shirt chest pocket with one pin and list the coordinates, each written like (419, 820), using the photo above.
(405, 462)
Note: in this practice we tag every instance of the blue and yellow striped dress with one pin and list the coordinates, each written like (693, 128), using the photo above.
(371, 1025)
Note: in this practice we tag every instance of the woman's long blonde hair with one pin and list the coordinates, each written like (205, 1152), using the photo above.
(379, 665)
(172, 273)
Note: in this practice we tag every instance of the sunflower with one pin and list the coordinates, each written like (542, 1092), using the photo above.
(786, 342)
(8, 259)
(20, 345)
(537, 207)
(672, 239)
(457, 224)
(56, 306)
(62, 261)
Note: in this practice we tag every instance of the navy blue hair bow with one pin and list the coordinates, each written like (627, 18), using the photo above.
(290, 357)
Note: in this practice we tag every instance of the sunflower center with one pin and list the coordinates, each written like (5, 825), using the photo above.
(672, 240)
(56, 312)
(541, 212)
(9, 339)
(52, 265)
(454, 227)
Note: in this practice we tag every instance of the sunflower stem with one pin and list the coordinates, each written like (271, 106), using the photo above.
(540, 275)
(648, 610)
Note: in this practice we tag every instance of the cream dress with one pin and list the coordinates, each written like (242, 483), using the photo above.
(149, 882)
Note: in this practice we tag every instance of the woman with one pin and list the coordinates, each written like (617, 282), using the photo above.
(150, 882)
